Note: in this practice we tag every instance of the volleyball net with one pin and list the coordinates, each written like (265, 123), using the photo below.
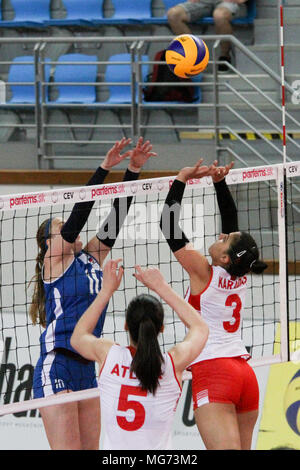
(271, 317)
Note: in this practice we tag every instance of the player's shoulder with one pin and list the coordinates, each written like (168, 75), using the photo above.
(117, 350)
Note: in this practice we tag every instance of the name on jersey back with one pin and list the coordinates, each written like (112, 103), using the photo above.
(224, 283)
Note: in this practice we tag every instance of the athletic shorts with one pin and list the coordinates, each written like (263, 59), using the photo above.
(56, 372)
(225, 380)
(196, 11)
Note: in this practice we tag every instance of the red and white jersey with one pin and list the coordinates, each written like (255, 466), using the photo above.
(134, 418)
(221, 305)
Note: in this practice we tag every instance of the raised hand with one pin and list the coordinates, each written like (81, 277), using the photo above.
(112, 276)
(197, 171)
(113, 156)
(218, 173)
(150, 277)
(140, 154)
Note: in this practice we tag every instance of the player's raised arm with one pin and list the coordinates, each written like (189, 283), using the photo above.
(103, 242)
(227, 207)
(81, 211)
(190, 259)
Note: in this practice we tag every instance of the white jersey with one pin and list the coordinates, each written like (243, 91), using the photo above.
(133, 418)
(221, 305)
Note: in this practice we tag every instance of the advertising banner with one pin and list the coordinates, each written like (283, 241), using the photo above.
(280, 422)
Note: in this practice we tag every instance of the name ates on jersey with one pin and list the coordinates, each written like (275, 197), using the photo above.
(122, 371)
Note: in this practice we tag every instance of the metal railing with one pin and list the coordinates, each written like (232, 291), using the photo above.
(135, 124)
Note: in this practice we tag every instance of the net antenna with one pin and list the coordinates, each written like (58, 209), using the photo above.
(265, 322)
(283, 187)
(282, 73)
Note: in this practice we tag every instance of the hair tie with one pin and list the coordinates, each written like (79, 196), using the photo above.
(251, 264)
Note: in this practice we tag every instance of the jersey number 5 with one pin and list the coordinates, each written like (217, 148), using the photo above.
(230, 301)
(125, 404)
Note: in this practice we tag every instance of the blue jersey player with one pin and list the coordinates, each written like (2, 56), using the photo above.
(68, 278)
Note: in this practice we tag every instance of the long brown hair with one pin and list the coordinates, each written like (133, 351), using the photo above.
(37, 310)
(144, 318)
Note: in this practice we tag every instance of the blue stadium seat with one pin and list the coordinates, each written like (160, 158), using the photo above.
(128, 12)
(71, 72)
(121, 94)
(22, 71)
(251, 14)
(167, 4)
(79, 13)
(28, 13)
(170, 3)
(118, 73)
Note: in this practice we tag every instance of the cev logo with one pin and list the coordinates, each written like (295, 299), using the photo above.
(293, 169)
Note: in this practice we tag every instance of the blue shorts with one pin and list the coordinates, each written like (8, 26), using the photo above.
(56, 372)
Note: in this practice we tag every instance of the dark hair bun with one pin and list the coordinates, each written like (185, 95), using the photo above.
(258, 266)
(236, 270)
(244, 256)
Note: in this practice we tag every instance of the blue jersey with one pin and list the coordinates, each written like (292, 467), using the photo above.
(67, 298)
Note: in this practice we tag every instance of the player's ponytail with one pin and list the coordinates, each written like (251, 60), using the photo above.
(37, 310)
(144, 318)
(258, 266)
(244, 256)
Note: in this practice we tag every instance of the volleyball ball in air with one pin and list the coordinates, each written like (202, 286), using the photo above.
(187, 56)
(292, 403)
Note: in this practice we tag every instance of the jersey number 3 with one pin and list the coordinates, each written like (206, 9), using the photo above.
(230, 326)
(125, 404)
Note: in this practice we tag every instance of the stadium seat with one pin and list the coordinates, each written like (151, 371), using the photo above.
(128, 12)
(22, 71)
(121, 94)
(167, 5)
(251, 14)
(30, 14)
(71, 72)
(79, 14)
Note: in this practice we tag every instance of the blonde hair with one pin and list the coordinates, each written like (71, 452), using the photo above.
(37, 309)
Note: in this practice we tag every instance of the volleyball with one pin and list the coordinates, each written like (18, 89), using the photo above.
(292, 403)
(187, 56)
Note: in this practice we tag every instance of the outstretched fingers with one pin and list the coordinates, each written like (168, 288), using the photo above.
(145, 147)
(110, 271)
(138, 273)
(199, 163)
